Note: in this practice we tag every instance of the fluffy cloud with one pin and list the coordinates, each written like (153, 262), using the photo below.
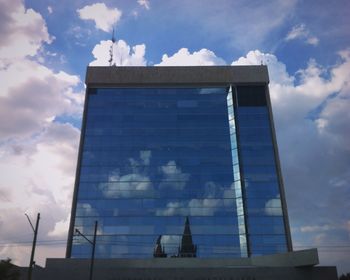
(129, 185)
(37, 154)
(184, 58)
(194, 207)
(173, 177)
(60, 228)
(301, 32)
(85, 209)
(23, 31)
(104, 17)
(171, 243)
(134, 184)
(32, 96)
(334, 119)
(277, 70)
(123, 54)
(273, 207)
(144, 3)
(316, 229)
(37, 175)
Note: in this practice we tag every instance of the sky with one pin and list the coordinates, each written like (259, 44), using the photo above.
(46, 45)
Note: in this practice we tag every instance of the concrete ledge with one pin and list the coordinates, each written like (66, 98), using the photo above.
(134, 76)
(252, 273)
(289, 266)
(291, 259)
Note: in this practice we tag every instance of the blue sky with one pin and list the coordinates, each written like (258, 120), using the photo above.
(46, 46)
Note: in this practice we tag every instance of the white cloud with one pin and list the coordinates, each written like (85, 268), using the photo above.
(37, 155)
(23, 31)
(301, 32)
(277, 70)
(316, 229)
(184, 58)
(137, 165)
(85, 209)
(171, 243)
(145, 156)
(193, 207)
(49, 9)
(312, 40)
(123, 54)
(61, 228)
(105, 18)
(334, 119)
(273, 207)
(33, 94)
(173, 177)
(144, 3)
(212, 190)
(128, 185)
(134, 184)
(40, 174)
(296, 32)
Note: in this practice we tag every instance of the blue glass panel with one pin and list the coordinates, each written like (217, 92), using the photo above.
(261, 188)
(153, 156)
(150, 158)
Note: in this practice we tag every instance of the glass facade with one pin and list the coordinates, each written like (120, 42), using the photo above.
(151, 157)
(262, 202)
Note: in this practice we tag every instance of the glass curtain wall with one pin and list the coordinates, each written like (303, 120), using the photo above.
(262, 202)
(152, 157)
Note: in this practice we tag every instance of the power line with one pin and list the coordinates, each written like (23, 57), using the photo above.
(147, 244)
(30, 242)
(141, 242)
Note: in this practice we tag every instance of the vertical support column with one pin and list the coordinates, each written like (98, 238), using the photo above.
(238, 183)
(93, 252)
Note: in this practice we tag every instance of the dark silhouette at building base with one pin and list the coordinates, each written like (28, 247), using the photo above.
(159, 250)
(187, 249)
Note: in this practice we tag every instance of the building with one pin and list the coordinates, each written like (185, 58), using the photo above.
(178, 168)
(160, 144)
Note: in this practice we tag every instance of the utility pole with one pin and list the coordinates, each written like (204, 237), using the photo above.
(93, 243)
(35, 230)
(93, 251)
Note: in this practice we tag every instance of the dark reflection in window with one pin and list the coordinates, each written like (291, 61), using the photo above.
(251, 96)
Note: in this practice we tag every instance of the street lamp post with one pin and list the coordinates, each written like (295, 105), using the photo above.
(93, 243)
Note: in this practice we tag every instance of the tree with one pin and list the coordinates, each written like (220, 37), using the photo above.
(345, 276)
(8, 271)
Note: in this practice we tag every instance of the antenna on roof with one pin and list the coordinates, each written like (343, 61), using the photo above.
(111, 50)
